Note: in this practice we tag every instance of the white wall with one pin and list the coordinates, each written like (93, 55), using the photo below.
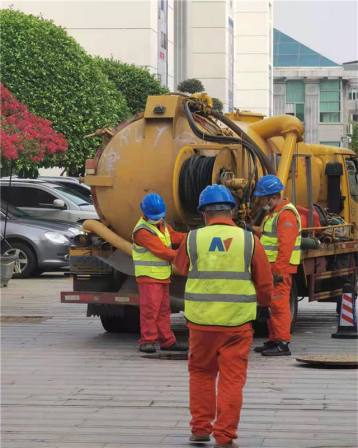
(253, 85)
(207, 45)
(124, 29)
(128, 30)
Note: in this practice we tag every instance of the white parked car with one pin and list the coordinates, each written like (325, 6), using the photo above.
(47, 200)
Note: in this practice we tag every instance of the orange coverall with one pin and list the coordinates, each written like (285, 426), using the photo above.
(153, 293)
(280, 320)
(221, 350)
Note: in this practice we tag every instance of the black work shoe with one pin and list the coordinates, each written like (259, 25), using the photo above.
(147, 348)
(267, 344)
(195, 438)
(175, 348)
(280, 349)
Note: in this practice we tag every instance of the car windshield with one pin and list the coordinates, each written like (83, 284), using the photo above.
(75, 197)
(12, 210)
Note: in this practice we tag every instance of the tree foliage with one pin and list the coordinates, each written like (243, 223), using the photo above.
(218, 105)
(134, 83)
(47, 70)
(191, 85)
(25, 138)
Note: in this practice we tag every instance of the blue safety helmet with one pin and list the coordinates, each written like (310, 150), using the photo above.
(153, 206)
(216, 194)
(268, 185)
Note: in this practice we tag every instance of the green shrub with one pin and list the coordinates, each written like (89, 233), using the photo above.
(134, 83)
(191, 85)
(218, 105)
(48, 71)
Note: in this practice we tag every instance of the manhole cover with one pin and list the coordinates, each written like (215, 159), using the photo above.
(334, 359)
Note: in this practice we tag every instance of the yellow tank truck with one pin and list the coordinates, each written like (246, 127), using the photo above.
(177, 147)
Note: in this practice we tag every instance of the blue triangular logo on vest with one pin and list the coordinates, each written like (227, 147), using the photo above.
(216, 244)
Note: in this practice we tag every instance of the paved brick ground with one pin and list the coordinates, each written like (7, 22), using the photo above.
(68, 384)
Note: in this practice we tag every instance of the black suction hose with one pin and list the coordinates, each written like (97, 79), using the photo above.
(195, 175)
(246, 141)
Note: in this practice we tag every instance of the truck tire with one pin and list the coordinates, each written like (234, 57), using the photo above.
(127, 322)
(260, 324)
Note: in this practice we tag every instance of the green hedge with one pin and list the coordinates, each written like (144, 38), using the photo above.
(47, 70)
(135, 83)
(191, 85)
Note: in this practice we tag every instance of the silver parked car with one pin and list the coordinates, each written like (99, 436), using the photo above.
(72, 183)
(47, 200)
(40, 245)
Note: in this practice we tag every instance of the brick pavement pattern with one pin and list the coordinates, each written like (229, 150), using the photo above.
(68, 384)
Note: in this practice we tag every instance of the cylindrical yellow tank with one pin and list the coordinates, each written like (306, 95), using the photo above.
(147, 154)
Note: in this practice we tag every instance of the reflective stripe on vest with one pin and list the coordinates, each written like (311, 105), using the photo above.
(145, 263)
(219, 289)
(269, 238)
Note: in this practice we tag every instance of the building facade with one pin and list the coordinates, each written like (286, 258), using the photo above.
(254, 56)
(321, 93)
(227, 44)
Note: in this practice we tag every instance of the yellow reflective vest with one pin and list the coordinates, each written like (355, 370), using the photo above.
(145, 263)
(269, 238)
(219, 289)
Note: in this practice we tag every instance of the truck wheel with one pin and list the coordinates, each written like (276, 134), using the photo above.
(128, 322)
(260, 324)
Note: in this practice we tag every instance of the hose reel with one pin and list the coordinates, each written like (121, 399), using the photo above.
(195, 175)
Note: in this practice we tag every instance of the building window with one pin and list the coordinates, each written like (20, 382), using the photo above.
(295, 98)
(338, 144)
(353, 95)
(330, 101)
(355, 118)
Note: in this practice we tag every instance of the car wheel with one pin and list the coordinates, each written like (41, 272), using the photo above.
(26, 264)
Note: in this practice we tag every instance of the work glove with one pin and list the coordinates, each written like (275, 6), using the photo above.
(277, 278)
(263, 313)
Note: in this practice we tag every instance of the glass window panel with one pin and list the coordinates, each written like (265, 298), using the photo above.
(329, 107)
(330, 85)
(287, 60)
(329, 117)
(300, 111)
(329, 96)
(352, 169)
(295, 92)
(306, 50)
(330, 143)
(288, 48)
(309, 60)
(324, 62)
(284, 38)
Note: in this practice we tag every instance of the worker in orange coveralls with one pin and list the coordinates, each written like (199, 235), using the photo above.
(281, 239)
(227, 271)
(152, 255)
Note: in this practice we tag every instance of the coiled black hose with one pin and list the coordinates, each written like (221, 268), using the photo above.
(247, 143)
(195, 175)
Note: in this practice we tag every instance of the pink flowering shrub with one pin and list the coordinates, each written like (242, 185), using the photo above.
(25, 136)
